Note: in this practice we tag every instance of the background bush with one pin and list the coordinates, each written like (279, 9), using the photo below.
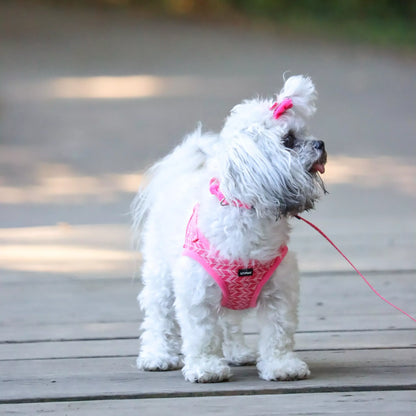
(375, 21)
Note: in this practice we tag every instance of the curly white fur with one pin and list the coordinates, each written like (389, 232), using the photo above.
(184, 323)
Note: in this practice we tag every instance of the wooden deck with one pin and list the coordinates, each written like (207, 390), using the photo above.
(68, 346)
(69, 168)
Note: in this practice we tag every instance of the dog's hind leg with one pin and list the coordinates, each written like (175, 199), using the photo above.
(160, 339)
(198, 300)
(235, 349)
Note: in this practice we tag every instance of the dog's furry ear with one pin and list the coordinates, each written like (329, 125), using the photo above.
(302, 92)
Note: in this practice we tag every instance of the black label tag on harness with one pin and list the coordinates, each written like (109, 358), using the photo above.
(245, 272)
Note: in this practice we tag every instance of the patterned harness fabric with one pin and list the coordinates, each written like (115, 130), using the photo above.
(240, 282)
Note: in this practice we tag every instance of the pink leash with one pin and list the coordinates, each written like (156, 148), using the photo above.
(346, 258)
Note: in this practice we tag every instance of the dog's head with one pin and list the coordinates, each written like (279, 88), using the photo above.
(269, 160)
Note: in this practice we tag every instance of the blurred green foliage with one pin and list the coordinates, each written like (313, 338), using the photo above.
(384, 22)
(331, 9)
(375, 21)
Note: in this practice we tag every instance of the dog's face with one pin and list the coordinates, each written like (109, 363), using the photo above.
(310, 152)
(269, 160)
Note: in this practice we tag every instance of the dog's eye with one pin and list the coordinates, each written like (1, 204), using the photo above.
(289, 141)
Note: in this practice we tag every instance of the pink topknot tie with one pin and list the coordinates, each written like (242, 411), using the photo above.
(279, 109)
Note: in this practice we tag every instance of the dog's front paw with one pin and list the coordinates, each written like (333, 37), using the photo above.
(206, 369)
(156, 362)
(286, 367)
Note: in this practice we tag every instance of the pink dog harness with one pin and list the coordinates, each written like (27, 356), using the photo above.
(240, 283)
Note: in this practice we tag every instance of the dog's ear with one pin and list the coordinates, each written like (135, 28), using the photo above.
(262, 178)
(302, 92)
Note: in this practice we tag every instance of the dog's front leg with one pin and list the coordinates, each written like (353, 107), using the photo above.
(277, 313)
(198, 306)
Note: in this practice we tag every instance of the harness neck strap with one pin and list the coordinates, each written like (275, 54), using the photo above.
(214, 188)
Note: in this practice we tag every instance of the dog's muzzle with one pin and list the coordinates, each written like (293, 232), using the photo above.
(319, 164)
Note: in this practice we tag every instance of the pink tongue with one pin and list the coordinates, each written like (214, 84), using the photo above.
(320, 167)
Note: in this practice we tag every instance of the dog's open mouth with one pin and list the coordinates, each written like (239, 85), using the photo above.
(319, 165)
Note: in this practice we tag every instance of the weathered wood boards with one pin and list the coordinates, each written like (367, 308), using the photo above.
(116, 377)
(68, 346)
(381, 403)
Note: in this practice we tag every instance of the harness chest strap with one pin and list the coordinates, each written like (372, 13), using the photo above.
(240, 282)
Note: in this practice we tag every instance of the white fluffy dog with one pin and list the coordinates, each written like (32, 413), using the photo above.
(227, 199)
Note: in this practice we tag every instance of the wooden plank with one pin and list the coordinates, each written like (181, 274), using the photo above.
(66, 300)
(101, 378)
(369, 246)
(125, 329)
(334, 294)
(126, 347)
(85, 250)
(60, 300)
(344, 358)
(348, 322)
(378, 403)
(69, 331)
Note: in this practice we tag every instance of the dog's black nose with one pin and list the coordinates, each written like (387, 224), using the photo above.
(319, 144)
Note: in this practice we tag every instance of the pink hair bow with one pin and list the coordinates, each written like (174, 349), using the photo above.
(279, 109)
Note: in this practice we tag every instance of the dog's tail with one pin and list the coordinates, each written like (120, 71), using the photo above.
(184, 160)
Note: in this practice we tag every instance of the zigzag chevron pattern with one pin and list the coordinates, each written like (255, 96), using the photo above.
(239, 291)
